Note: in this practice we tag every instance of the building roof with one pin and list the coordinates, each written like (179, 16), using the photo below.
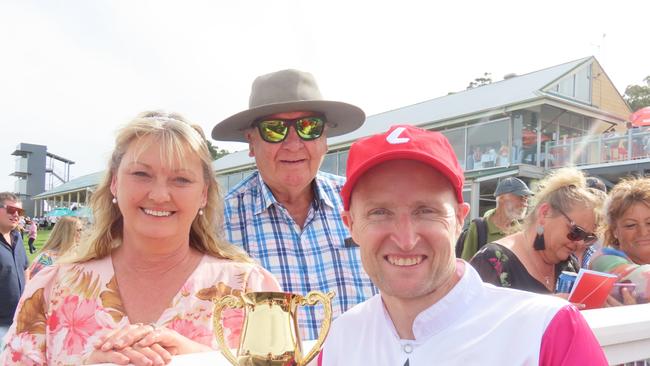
(74, 185)
(491, 97)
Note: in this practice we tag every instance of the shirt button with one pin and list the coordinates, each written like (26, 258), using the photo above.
(407, 348)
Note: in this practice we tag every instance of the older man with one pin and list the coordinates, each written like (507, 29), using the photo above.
(404, 207)
(13, 260)
(287, 214)
(512, 201)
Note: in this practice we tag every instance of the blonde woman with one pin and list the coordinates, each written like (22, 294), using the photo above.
(563, 219)
(139, 289)
(64, 236)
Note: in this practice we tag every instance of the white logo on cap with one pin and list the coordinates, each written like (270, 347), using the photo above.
(394, 138)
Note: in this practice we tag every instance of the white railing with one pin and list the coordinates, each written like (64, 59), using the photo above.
(623, 332)
(597, 149)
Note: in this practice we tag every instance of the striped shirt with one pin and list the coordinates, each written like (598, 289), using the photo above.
(320, 256)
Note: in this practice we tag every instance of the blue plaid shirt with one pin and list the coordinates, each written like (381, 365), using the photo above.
(320, 256)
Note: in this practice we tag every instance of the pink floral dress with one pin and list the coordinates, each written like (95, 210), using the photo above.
(66, 308)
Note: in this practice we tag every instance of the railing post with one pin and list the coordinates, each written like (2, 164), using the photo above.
(629, 144)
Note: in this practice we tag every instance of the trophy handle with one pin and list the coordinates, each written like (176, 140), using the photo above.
(229, 301)
(312, 298)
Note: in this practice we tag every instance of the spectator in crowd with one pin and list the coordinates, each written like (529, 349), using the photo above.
(404, 207)
(583, 255)
(65, 235)
(32, 231)
(22, 226)
(562, 221)
(139, 288)
(474, 159)
(627, 231)
(13, 260)
(287, 213)
(512, 201)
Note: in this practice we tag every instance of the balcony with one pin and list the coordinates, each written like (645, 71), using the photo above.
(20, 186)
(598, 149)
(21, 166)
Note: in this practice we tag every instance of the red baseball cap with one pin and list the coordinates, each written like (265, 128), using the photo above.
(403, 142)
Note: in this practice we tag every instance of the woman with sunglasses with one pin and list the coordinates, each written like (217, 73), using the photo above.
(139, 288)
(626, 237)
(64, 236)
(562, 221)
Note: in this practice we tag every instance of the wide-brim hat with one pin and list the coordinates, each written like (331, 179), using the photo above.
(289, 91)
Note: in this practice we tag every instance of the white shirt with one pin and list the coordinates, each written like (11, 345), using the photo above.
(474, 324)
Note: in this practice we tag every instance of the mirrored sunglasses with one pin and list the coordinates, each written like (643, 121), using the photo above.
(276, 130)
(12, 210)
(577, 233)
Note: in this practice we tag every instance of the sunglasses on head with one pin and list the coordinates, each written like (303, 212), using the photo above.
(11, 210)
(577, 233)
(276, 130)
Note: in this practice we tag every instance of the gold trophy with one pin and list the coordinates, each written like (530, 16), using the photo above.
(270, 335)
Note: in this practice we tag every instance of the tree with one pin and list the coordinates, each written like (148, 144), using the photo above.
(215, 151)
(638, 96)
(480, 81)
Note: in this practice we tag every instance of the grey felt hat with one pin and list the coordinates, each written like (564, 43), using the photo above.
(288, 91)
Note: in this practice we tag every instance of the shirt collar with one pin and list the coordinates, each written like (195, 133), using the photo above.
(448, 310)
(491, 227)
(266, 198)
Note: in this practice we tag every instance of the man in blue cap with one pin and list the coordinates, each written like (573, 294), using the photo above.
(512, 201)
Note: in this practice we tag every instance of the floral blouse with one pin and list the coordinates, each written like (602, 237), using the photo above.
(499, 266)
(45, 259)
(65, 309)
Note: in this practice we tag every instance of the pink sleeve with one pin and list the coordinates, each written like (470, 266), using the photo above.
(569, 341)
(261, 280)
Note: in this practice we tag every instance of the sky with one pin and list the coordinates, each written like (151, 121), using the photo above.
(72, 72)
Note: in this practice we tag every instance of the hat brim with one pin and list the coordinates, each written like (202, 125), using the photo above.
(341, 118)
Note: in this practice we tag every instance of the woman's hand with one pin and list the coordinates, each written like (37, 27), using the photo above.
(565, 296)
(136, 355)
(172, 341)
(123, 337)
(628, 296)
(120, 345)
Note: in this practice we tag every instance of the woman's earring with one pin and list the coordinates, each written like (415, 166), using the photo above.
(538, 244)
(114, 200)
(200, 212)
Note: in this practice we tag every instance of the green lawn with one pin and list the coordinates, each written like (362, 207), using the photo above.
(40, 241)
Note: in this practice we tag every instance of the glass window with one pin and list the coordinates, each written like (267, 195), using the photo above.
(223, 183)
(343, 162)
(566, 86)
(524, 138)
(329, 163)
(456, 138)
(487, 143)
(583, 85)
(233, 179)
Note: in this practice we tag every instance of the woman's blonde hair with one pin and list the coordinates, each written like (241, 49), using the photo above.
(176, 139)
(63, 236)
(623, 196)
(564, 189)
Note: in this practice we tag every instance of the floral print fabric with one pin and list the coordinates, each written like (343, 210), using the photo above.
(45, 259)
(499, 266)
(67, 308)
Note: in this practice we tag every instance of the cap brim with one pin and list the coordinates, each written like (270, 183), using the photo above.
(341, 117)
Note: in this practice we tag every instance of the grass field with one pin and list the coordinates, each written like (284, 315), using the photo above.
(40, 241)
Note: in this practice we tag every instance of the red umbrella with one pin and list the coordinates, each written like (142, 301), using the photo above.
(641, 117)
